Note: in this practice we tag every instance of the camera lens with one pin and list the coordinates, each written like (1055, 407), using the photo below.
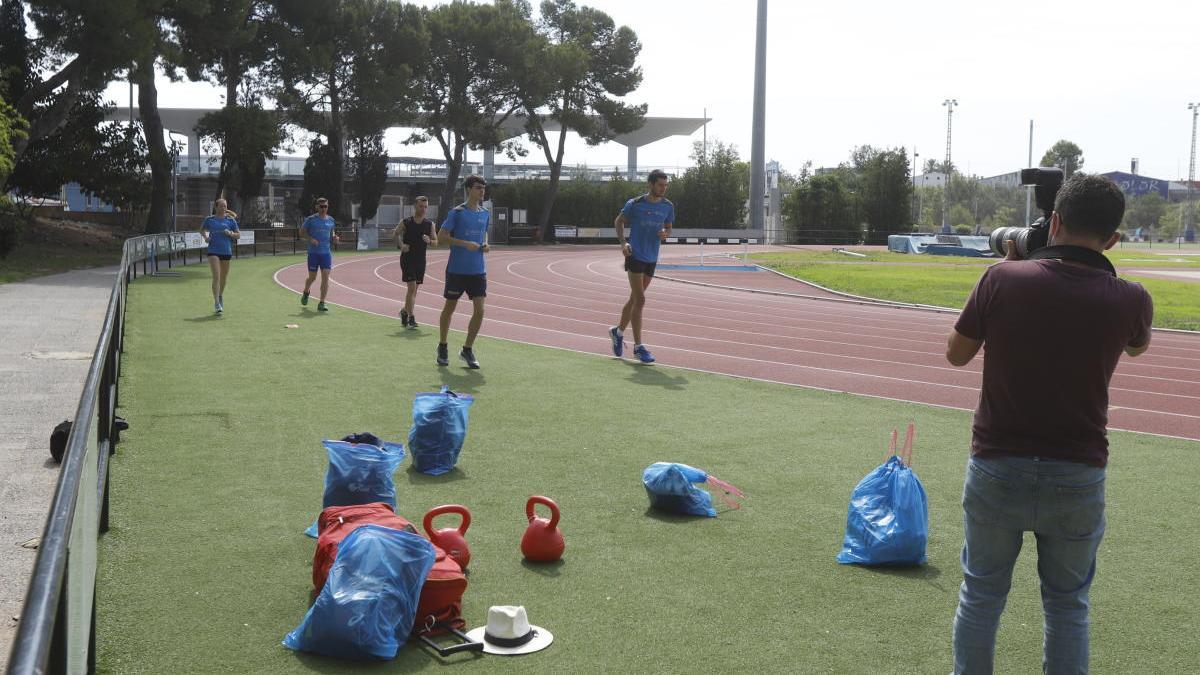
(1018, 235)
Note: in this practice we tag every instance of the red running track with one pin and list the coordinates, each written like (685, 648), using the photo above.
(568, 297)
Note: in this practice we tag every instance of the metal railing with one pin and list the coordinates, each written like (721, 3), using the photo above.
(57, 628)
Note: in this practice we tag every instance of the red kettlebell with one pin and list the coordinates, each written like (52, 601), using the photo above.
(542, 541)
(451, 540)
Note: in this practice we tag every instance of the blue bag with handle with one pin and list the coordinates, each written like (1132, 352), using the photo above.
(888, 519)
(360, 472)
(438, 431)
(671, 488)
(368, 605)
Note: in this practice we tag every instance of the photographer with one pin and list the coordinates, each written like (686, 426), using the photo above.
(1055, 326)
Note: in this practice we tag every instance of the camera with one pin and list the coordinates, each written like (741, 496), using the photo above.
(1046, 182)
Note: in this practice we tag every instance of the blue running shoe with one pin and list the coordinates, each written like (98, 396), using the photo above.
(643, 354)
(618, 341)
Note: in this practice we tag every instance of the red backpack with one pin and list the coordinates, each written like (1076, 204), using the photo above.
(441, 595)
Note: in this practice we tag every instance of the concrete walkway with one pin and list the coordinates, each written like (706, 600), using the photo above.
(48, 330)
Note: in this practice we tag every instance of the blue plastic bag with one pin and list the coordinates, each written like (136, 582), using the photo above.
(367, 607)
(670, 488)
(438, 431)
(359, 473)
(888, 519)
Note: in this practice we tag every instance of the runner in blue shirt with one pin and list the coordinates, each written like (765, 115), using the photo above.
(219, 230)
(318, 231)
(650, 218)
(465, 230)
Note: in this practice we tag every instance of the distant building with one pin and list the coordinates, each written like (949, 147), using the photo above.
(1009, 180)
(931, 179)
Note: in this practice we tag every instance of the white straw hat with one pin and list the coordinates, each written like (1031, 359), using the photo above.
(509, 632)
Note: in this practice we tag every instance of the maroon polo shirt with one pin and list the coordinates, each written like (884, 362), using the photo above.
(1053, 333)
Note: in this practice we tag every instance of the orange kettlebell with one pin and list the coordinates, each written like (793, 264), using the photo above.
(542, 541)
(452, 540)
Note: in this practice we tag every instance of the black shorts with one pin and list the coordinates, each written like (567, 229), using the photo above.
(474, 285)
(221, 256)
(636, 266)
(412, 268)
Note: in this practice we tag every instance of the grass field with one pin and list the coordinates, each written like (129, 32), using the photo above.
(39, 259)
(206, 567)
(946, 281)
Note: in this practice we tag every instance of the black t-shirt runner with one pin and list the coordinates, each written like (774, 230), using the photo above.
(413, 231)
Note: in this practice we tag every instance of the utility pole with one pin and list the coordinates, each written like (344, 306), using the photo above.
(758, 139)
(916, 213)
(949, 103)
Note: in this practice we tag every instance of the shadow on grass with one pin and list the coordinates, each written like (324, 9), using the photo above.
(668, 517)
(417, 478)
(202, 319)
(461, 379)
(642, 374)
(927, 573)
(545, 569)
(409, 334)
(410, 659)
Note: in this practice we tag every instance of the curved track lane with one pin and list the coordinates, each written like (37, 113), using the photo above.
(567, 298)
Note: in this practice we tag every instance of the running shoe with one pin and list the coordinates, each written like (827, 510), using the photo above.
(412, 321)
(218, 308)
(618, 341)
(643, 354)
(304, 298)
(403, 317)
(321, 307)
(468, 356)
(443, 358)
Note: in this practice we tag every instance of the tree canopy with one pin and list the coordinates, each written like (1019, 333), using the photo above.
(1066, 156)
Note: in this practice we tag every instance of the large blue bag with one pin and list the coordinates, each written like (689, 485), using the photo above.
(888, 519)
(438, 431)
(670, 488)
(360, 473)
(369, 602)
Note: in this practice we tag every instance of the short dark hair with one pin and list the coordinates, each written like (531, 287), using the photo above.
(1090, 205)
(656, 175)
(473, 180)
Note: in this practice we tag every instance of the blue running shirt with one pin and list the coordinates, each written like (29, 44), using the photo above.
(462, 223)
(219, 242)
(645, 218)
(321, 229)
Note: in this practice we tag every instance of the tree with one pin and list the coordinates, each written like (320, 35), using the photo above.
(1144, 211)
(585, 65)
(322, 177)
(713, 192)
(107, 159)
(471, 84)
(12, 126)
(79, 47)
(225, 42)
(246, 138)
(934, 166)
(884, 190)
(1066, 156)
(369, 170)
(820, 209)
(343, 59)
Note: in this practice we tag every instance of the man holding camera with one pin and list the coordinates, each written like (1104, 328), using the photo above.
(1055, 326)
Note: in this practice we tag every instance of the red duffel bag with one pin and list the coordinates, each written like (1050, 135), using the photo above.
(441, 595)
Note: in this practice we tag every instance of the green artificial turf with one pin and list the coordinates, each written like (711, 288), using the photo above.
(947, 284)
(206, 567)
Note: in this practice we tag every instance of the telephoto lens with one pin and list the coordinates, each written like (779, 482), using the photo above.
(1019, 236)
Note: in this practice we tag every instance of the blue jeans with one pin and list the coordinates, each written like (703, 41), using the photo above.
(1062, 503)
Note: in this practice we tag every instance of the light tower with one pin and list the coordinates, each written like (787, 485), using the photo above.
(1189, 232)
(949, 103)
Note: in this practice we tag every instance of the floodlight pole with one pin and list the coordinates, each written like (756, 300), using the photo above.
(949, 103)
(1029, 188)
(1189, 232)
(758, 139)
(916, 213)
